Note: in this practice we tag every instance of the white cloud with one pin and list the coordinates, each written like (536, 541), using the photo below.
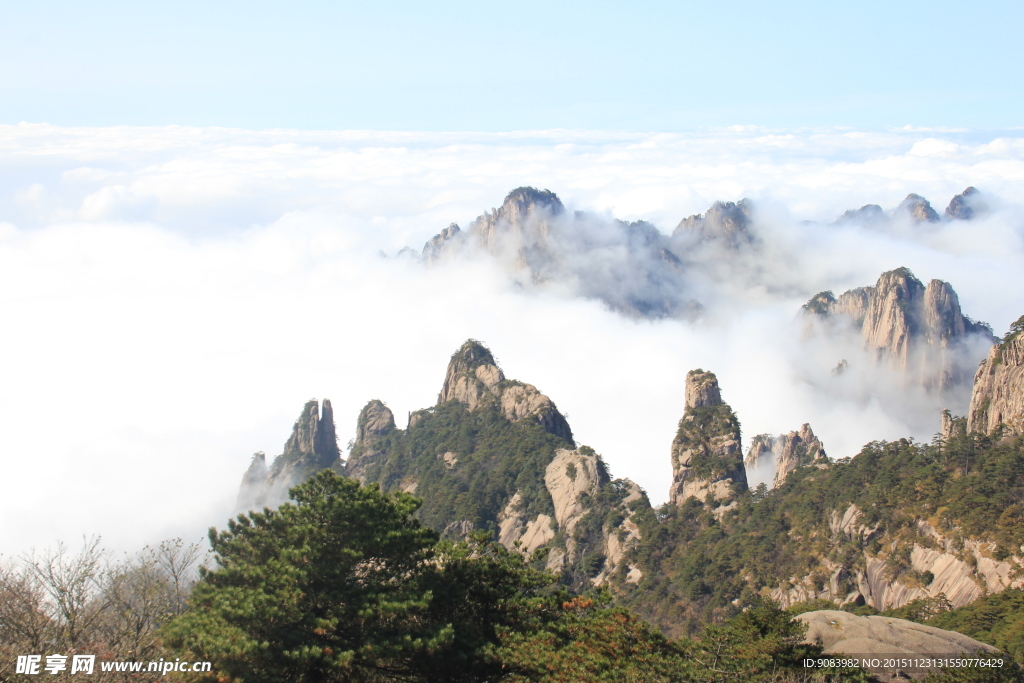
(172, 296)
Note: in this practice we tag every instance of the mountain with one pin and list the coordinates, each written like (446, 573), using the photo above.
(707, 463)
(997, 401)
(916, 208)
(492, 455)
(629, 266)
(965, 205)
(917, 330)
(900, 522)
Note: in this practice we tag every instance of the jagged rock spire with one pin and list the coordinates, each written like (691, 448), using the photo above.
(706, 456)
(313, 436)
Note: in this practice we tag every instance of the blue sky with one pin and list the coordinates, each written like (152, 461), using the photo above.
(502, 66)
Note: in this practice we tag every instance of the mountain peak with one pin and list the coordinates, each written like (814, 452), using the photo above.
(702, 389)
(313, 435)
(524, 200)
(728, 222)
(918, 208)
(962, 206)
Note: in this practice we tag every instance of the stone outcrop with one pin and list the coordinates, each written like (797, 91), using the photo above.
(918, 330)
(841, 633)
(726, 223)
(706, 455)
(312, 446)
(998, 395)
(916, 208)
(964, 206)
(474, 379)
(375, 422)
(785, 452)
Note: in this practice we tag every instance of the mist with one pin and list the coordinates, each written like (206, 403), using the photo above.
(172, 296)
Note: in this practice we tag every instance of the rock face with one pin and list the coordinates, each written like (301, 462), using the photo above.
(785, 452)
(473, 379)
(918, 330)
(313, 446)
(842, 633)
(964, 206)
(706, 456)
(917, 209)
(727, 223)
(998, 395)
(959, 570)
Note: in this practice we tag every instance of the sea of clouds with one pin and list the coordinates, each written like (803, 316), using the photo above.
(171, 296)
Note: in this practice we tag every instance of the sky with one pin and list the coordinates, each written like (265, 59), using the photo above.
(195, 199)
(475, 66)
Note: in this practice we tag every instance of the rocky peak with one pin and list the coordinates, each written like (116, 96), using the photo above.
(706, 456)
(702, 390)
(313, 446)
(962, 206)
(785, 452)
(472, 374)
(375, 420)
(997, 400)
(474, 379)
(523, 201)
(726, 222)
(907, 324)
(917, 208)
(313, 436)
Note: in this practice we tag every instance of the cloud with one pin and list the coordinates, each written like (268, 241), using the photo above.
(172, 296)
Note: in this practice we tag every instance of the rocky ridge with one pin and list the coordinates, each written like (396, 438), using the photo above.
(706, 458)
